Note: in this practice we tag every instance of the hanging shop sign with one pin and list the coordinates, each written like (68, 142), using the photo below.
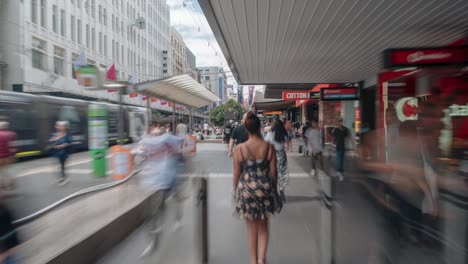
(314, 95)
(339, 94)
(295, 95)
(425, 57)
(88, 77)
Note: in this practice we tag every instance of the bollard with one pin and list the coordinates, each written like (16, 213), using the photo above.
(204, 200)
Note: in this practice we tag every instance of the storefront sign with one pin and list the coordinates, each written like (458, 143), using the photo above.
(417, 57)
(88, 77)
(272, 113)
(295, 95)
(314, 95)
(458, 110)
(339, 94)
(407, 109)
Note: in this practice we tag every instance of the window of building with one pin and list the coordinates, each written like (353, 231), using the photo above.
(93, 8)
(104, 16)
(39, 59)
(91, 62)
(87, 9)
(78, 3)
(113, 49)
(113, 22)
(122, 54)
(207, 78)
(105, 45)
(122, 28)
(79, 32)
(117, 24)
(59, 61)
(34, 11)
(88, 37)
(72, 28)
(43, 13)
(55, 19)
(62, 22)
(93, 39)
(117, 51)
(100, 13)
(100, 43)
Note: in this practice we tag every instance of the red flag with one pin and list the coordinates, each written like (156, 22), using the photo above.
(163, 103)
(153, 100)
(144, 98)
(132, 95)
(111, 75)
(170, 104)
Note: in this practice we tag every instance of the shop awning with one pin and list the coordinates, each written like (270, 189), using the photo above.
(180, 89)
(332, 41)
(263, 104)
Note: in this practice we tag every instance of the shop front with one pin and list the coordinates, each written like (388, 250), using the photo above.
(424, 95)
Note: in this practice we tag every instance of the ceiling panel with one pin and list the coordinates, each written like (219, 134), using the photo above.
(326, 41)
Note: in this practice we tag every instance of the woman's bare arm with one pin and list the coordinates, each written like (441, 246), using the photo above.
(237, 167)
(272, 159)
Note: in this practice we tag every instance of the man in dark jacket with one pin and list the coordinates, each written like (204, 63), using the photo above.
(340, 134)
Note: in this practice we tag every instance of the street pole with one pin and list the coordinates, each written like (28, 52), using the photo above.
(173, 118)
(190, 119)
(120, 140)
(150, 117)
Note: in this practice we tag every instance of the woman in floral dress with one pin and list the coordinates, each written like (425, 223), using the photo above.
(254, 186)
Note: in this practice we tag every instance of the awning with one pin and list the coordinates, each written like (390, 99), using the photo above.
(263, 104)
(325, 41)
(180, 89)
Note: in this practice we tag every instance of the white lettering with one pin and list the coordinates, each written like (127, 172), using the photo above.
(419, 56)
(458, 110)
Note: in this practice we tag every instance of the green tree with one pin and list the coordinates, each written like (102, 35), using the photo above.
(217, 113)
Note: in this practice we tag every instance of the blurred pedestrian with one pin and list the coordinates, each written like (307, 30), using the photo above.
(314, 139)
(9, 241)
(228, 131)
(340, 134)
(181, 132)
(159, 169)
(289, 128)
(305, 143)
(254, 187)
(60, 147)
(7, 155)
(239, 136)
(278, 138)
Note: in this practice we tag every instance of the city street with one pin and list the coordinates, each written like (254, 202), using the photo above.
(292, 232)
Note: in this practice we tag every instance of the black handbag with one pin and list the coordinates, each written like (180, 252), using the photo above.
(278, 202)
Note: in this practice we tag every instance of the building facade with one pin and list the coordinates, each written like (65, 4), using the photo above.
(191, 65)
(42, 38)
(179, 54)
(214, 78)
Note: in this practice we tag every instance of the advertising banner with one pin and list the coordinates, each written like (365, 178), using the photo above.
(339, 94)
(295, 95)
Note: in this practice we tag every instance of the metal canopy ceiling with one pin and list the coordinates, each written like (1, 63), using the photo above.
(326, 41)
(181, 89)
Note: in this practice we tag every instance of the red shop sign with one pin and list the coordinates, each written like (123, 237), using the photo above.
(295, 95)
(421, 57)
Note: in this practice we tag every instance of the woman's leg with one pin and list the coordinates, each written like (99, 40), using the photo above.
(263, 235)
(252, 237)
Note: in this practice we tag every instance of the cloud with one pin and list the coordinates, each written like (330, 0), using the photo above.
(188, 19)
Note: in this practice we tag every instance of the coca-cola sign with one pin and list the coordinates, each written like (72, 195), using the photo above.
(424, 57)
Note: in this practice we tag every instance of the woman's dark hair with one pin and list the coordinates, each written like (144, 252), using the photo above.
(280, 131)
(252, 123)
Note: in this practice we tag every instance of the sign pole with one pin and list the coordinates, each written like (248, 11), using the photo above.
(97, 127)
(150, 119)
(173, 118)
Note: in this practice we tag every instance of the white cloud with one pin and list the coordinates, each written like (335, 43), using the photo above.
(188, 19)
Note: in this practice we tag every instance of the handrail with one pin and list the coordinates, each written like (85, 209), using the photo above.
(100, 187)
